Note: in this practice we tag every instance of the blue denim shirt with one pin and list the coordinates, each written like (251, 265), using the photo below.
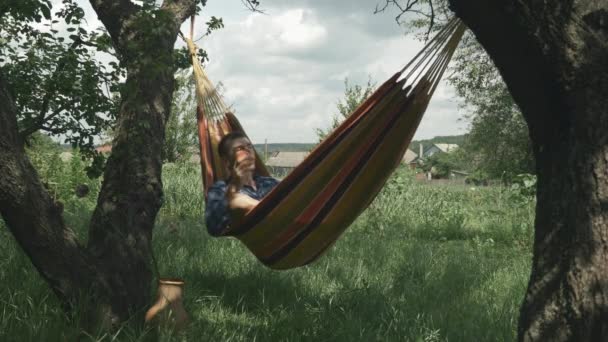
(217, 212)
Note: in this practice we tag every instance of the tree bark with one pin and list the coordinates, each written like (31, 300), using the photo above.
(553, 56)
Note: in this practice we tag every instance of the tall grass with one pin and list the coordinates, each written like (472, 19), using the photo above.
(423, 263)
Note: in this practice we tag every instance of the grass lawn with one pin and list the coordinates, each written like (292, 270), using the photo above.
(423, 263)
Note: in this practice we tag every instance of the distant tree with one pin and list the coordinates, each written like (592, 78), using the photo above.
(498, 143)
(354, 95)
(41, 143)
(180, 133)
(441, 164)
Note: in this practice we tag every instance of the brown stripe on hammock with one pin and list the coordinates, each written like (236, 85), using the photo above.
(347, 182)
(287, 185)
(376, 189)
(205, 149)
(321, 199)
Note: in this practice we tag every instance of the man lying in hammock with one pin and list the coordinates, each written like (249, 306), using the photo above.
(228, 201)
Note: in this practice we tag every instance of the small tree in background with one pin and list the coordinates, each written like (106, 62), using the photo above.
(354, 95)
(180, 133)
(442, 164)
(498, 142)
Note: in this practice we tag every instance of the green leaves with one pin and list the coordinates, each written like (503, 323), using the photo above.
(442, 163)
(30, 10)
(46, 11)
(58, 84)
(214, 24)
(58, 81)
(354, 95)
(498, 143)
(180, 131)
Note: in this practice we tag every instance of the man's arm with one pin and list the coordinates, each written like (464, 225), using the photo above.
(240, 204)
(225, 206)
(217, 212)
(238, 201)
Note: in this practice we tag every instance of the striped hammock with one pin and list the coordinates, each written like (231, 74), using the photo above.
(308, 210)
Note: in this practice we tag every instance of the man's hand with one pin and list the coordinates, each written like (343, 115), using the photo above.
(240, 204)
(242, 168)
(243, 202)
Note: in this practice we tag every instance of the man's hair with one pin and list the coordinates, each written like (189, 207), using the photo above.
(224, 146)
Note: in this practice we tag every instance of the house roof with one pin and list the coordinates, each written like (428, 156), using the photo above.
(286, 159)
(447, 147)
(105, 148)
(409, 156)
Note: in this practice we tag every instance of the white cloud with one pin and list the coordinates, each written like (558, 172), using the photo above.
(288, 68)
(298, 29)
(284, 71)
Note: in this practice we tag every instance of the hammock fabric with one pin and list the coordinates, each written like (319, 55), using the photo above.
(306, 213)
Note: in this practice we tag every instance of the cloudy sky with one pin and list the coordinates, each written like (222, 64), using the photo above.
(283, 71)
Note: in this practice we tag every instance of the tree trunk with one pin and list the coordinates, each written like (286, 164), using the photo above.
(553, 57)
(121, 227)
(35, 220)
(115, 266)
(120, 233)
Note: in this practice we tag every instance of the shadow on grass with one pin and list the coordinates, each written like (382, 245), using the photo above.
(453, 290)
(435, 291)
(391, 289)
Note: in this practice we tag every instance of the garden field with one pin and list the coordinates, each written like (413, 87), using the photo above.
(423, 263)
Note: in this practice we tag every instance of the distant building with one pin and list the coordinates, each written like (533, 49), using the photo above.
(446, 148)
(281, 163)
(410, 158)
(105, 148)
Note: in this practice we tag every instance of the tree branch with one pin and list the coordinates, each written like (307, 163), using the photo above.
(409, 7)
(41, 118)
(252, 5)
(181, 10)
(402, 9)
(432, 18)
(50, 129)
(8, 118)
(113, 14)
(40, 124)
